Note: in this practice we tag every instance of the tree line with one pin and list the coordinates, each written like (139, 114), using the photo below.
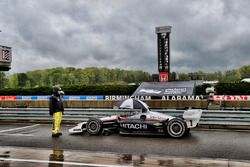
(72, 76)
(93, 75)
(224, 77)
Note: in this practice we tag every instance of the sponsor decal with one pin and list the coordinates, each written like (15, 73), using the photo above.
(152, 118)
(152, 91)
(157, 124)
(182, 97)
(8, 97)
(123, 97)
(43, 97)
(167, 92)
(230, 97)
(163, 76)
(189, 123)
(117, 98)
(175, 91)
(134, 126)
(94, 97)
(83, 97)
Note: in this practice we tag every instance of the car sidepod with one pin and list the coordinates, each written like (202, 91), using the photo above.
(142, 127)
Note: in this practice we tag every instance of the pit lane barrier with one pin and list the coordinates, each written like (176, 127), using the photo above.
(75, 115)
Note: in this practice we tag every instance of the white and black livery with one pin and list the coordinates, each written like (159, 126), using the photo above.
(145, 122)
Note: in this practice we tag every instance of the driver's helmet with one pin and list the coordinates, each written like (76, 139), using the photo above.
(144, 110)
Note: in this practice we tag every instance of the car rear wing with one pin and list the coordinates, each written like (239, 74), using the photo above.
(192, 117)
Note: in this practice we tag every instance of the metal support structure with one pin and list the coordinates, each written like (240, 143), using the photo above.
(163, 46)
(5, 57)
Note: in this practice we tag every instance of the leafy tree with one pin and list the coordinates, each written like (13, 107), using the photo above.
(173, 76)
(93, 75)
(3, 80)
(184, 77)
(22, 79)
(245, 72)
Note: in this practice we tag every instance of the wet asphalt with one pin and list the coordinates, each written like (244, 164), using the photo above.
(30, 157)
(225, 144)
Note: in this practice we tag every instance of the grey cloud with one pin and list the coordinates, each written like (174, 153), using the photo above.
(206, 35)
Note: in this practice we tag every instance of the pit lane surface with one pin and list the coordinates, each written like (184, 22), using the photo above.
(226, 144)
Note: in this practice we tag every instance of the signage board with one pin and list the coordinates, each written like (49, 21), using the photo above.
(159, 89)
(5, 58)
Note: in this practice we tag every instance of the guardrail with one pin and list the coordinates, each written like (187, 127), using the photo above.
(209, 117)
(42, 114)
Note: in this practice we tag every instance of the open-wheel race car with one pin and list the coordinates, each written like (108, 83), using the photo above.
(142, 122)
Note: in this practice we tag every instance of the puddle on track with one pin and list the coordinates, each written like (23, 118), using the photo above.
(34, 157)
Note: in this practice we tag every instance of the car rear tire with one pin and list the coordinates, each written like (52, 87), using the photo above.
(94, 126)
(176, 128)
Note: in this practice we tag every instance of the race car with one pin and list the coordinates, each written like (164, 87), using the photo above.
(142, 122)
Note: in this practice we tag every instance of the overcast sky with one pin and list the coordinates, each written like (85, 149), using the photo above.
(208, 35)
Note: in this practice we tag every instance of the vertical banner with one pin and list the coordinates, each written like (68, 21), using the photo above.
(163, 49)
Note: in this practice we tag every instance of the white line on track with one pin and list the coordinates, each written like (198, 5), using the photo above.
(59, 162)
(17, 134)
(13, 130)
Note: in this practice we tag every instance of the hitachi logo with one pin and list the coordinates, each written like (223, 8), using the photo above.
(134, 126)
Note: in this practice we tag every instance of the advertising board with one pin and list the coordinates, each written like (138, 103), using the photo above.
(5, 58)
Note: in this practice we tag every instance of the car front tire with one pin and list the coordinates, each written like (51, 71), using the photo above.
(94, 126)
